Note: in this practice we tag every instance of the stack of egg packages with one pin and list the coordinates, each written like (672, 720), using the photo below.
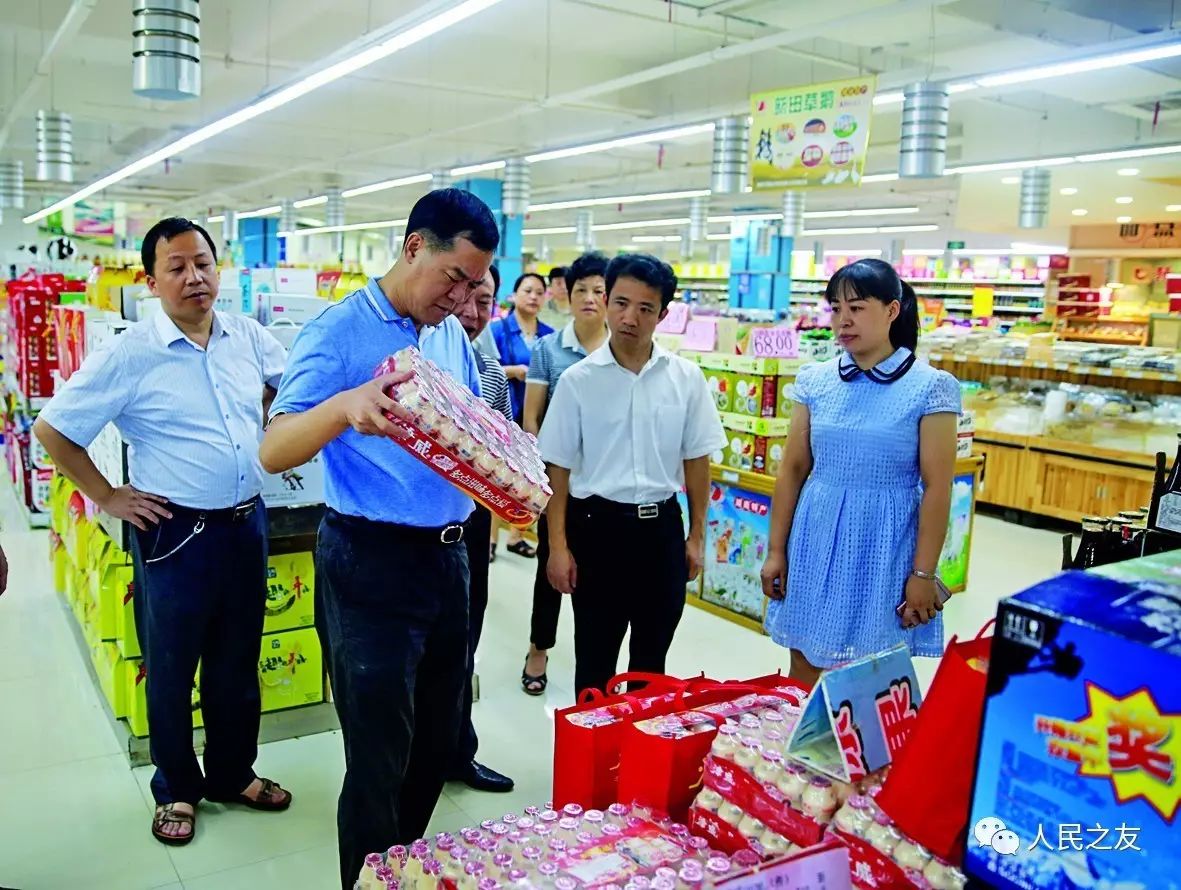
(621, 848)
(773, 804)
(503, 454)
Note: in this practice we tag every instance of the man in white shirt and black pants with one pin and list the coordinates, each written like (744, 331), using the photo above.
(627, 428)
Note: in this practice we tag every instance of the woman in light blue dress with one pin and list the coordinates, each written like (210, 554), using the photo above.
(862, 498)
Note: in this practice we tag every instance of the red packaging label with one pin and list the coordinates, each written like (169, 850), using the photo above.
(869, 868)
(764, 802)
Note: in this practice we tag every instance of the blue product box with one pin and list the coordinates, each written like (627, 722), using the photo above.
(1077, 781)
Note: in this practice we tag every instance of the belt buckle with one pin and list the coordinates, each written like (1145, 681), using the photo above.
(243, 511)
(648, 511)
(452, 534)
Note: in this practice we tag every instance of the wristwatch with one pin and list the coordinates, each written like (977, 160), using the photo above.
(926, 576)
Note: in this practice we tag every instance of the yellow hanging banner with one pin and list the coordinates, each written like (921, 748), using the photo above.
(815, 135)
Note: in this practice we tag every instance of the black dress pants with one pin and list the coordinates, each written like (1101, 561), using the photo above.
(547, 602)
(476, 536)
(392, 615)
(631, 572)
(200, 592)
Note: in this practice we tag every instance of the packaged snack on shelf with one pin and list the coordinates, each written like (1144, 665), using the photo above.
(462, 439)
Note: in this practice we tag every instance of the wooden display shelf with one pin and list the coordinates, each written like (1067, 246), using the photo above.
(1110, 340)
(1059, 478)
(981, 368)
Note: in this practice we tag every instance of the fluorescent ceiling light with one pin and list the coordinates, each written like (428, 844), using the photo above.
(1068, 191)
(382, 186)
(1128, 171)
(983, 251)
(862, 211)
(350, 227)
(618, 199)
(1150, 152)
(929, 227)
(891, 98)
(1172, 208)
(652, 239)
(1124, 199)
(720, 236)
(880, 177)
(1079, 211)
(262, 211)
(215, 219)
(746, 217)
(1037, 249)
(864, 230)
(552, 230)
(1123, 219)
(1079, 66)
(641, 224)
(1008, 165)
(638, 139)
(310, 202)
(478, 168)
(277, 98)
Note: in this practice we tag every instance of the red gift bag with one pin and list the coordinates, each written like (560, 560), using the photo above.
(587, 737)
(662, 756)
(945, 740)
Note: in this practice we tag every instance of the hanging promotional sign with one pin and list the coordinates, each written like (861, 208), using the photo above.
(814, 135)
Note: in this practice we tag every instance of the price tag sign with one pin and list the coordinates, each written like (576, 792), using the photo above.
(774, 343)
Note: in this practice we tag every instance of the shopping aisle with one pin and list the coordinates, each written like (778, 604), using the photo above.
(68, 802)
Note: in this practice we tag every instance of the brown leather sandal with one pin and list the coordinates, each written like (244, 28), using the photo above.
(166, 815)
(268, 801)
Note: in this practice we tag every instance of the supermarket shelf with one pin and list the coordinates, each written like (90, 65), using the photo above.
(275, 725)
(959, 282)
(1098, 338)
(1064, 367)
(1103, 319)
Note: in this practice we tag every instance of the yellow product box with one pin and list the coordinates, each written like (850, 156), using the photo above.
(61, 565)
(115, 585)
(135, 680)
(126, 637)
(290, 588)
(753, 444)
(721, 387)
(756, 387)
(109, 668)
(290, 669)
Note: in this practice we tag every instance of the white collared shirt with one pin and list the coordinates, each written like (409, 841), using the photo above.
(192, 417)
(624, 436)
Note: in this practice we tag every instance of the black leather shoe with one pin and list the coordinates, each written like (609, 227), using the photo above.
(480, 778)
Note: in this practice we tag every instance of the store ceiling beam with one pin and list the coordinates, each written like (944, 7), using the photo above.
(71, 24)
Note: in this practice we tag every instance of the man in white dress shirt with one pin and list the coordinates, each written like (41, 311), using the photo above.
(628, 427)
(188, 390)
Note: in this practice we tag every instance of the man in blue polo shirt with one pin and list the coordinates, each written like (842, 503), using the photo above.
(391, 571)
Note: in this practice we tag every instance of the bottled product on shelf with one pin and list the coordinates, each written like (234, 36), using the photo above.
(1167, 502)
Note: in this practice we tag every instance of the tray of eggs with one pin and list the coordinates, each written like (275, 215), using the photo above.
(460, 437)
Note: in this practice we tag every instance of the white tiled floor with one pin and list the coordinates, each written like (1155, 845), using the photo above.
(72, 813)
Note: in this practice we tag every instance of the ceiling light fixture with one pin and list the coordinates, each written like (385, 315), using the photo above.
(1149, 152)
(349, 227)
(1078, 211)
(384, 185)
(641, 224)
(310, 202)
(1123, 219)
(1124, 199)
(1068, 191)
(1079, 66)
(1172, 208)
(552, 230)
(477, 168)
(262, 211)
(215, 219)
(623, 142)
(1009, 165)
(1128, 171)
(861, 211)
(278, 98)
(619, 199)
(653, 239)
(1028, 249)
(880, 177)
